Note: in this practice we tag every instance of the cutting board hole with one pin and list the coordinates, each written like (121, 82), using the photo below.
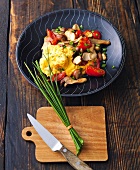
(29, 133)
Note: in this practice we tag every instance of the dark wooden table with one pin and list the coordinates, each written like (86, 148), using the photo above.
(121, 99)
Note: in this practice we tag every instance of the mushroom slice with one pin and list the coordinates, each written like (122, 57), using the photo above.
(76, 27)
(86, 56)
(89, 56)
(104, 56)
(68, 80)
(100, 56)
(93, 55)
(97, 48)
(91, 49)
(77, 60)
(78, 39)
(97, 41)
(70, 35)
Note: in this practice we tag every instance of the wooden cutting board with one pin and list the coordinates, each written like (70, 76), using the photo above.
(89, 122)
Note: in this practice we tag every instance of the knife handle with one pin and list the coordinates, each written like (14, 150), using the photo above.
(73, 160)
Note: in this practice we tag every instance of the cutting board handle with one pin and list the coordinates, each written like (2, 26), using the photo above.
(28, 133)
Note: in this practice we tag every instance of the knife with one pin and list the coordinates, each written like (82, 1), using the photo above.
(55, 145)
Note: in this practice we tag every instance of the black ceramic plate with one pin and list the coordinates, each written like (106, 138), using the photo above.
(30, 42)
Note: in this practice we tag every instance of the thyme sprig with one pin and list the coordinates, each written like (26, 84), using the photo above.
(51, 92)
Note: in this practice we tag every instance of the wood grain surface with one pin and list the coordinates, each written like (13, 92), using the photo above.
(4, 16)
(88, 121)
(121, 99)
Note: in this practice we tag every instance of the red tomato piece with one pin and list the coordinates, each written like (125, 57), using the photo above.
(54, 41)
(96, 34)
(84, 43)
(95, 64)
(59, 76)
(78, 33)
(51, 35)
(94, 71)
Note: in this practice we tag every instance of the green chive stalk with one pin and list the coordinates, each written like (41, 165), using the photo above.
(52, 94)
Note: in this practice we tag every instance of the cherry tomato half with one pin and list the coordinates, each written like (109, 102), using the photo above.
(59, 76)
(78, 33)
(84, 43)
(94, 71)
(95, 63)
(54, 41)
(53, 37)
(96, 34)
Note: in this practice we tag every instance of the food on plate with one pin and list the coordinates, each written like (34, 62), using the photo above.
(68, 54)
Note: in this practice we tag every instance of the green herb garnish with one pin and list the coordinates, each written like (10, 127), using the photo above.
(88, 50)
(59, 27)
(104, 49)
(73, 31)
(52, 94)
(81, 27)
(103, 65)
(73, 77)
(57, 30)
(98, 45)
(113, 66)
(85, 44)
(71, 42)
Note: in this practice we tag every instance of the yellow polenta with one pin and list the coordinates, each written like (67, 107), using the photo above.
(57, 59)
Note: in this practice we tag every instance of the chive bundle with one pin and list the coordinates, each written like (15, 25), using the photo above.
(52, 94)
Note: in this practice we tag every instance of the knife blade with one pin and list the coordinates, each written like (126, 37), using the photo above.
(55, 145)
